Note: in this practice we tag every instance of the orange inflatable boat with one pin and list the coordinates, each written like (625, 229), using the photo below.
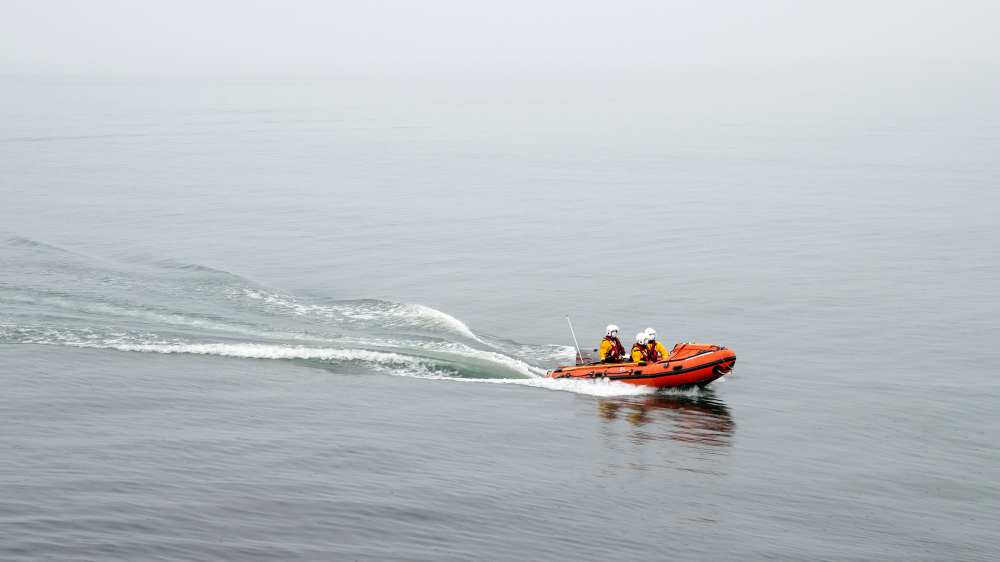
(687, 364)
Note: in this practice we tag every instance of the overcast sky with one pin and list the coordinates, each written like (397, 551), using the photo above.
(317, 37)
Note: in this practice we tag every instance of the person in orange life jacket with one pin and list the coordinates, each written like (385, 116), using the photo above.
(654, 349)
(639, 350)
(612, 350)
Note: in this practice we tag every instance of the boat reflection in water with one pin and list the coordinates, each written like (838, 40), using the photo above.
(698, 418)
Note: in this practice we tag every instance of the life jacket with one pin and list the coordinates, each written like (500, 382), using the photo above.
(651, 354)
(617, 349)
(644, 350)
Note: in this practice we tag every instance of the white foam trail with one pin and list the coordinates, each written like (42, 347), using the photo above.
(602, 388)
(448, 355)
(467, 352)
(417, 367)
(591, 387)
(385, 362)
(260, 351)
(545, 354)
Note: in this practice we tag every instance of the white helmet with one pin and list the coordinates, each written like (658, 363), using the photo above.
(641, 337)
(651, 333)
(611, 331)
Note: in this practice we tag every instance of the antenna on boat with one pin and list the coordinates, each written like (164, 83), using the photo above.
(578, 354)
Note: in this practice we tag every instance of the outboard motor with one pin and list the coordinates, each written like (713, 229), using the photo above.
(588, 357)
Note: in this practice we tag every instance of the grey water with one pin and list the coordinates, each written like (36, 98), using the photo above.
(289, 319)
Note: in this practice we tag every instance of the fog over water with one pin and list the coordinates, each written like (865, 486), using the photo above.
(282, 280)
(323, 38)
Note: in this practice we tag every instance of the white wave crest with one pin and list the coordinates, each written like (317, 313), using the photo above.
(421, 311)
(387, 314)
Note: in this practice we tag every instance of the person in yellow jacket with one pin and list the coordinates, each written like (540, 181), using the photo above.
(612, 350)
(654, 349)
(639, 350)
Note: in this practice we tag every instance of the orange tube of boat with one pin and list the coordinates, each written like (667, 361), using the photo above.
(688, 364)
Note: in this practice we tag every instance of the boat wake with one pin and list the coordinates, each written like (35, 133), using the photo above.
(53, 296)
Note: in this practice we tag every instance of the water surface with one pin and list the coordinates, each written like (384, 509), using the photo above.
(306, 319)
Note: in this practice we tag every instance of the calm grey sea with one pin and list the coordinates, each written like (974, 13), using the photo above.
(286, 319)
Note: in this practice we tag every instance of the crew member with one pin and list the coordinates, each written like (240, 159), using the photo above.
(639, 350)
(654, 349)
(612, 350)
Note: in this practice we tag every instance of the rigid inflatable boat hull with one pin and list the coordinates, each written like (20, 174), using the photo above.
(687, 365)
